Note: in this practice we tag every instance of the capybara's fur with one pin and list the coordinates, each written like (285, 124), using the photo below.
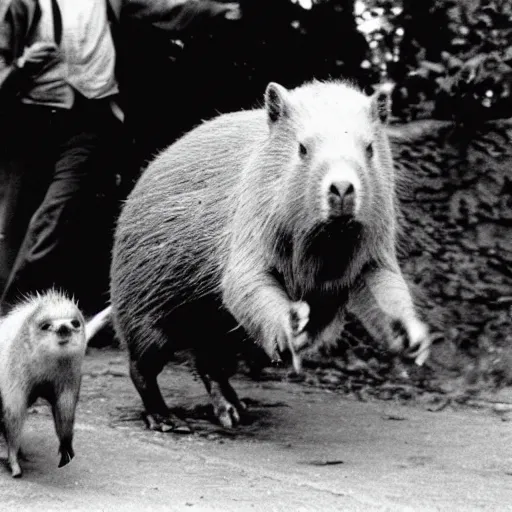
(42, 346)
(266, 222)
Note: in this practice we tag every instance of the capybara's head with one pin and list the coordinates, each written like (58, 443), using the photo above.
(56, 325)
(335, 164)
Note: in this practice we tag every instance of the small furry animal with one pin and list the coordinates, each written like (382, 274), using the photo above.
(42, 346)
(269, 223)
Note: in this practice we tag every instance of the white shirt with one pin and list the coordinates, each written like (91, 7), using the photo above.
(88, 47)
(88, 54)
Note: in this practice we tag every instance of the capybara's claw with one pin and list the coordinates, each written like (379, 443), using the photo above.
(412, 340)
(299, 339)
(167, 423)
(422, 352)
(422, 355)
(229, 419)
(296, 338)
(226, 413)
(419, 342)
(299, 317)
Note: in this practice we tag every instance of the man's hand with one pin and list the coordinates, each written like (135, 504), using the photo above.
(230, 11)
(35, 57)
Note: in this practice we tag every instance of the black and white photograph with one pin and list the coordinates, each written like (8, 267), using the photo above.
(255, 255)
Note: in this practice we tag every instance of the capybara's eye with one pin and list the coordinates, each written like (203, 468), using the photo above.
(369, 151)
(303, 150)
(75, 324)
(45, 326)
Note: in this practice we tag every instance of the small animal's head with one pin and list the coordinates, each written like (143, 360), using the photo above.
(330, 142)
(57, 325)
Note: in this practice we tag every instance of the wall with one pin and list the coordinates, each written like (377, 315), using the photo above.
(457, 238)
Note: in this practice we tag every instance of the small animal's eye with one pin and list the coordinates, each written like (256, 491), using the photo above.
(75, 323)
(45, 326)
(303, 150)
(369, 150)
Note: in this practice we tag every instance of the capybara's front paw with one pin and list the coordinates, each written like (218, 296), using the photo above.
(298, 338)
(293, 337)
(419, 342)
(413, 340)
(167, 423)
(299, 318)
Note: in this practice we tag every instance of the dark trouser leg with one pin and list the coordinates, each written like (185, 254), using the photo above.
(25, 162)
(60, 248)
(11, 224)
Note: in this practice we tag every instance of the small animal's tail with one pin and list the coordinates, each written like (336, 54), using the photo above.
(97, 322)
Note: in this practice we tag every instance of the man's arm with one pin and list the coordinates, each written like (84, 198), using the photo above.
(177, 15)
(10, 74)
(19, 64)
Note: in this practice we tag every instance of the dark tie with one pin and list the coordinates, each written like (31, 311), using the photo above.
(57, 22)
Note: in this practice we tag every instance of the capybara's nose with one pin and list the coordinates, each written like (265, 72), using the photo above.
(341, 198)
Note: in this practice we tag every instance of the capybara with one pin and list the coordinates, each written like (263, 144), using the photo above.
(264, 223)
(42, 346)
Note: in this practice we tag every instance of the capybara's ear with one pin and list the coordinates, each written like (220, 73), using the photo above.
(276, 102)
(381, 104)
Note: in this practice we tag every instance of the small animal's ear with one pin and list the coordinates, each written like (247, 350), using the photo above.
(381, 104)
(276, 102)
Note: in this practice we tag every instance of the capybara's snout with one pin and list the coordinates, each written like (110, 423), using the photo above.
(341, 199)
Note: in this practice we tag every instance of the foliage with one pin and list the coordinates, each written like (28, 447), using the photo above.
(448, 59)
(454, 59)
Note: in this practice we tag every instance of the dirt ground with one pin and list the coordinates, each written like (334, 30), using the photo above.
(300, 448)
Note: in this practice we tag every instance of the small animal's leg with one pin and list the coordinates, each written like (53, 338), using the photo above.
(157, 414)
(388, 291)
(64, 417)
(14, 413)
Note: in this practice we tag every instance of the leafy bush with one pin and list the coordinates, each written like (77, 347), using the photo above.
(451, 59)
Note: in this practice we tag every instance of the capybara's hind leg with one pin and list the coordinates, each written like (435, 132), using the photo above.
(157, 414)
(13, 419)
(227, 407)
(231, 396)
